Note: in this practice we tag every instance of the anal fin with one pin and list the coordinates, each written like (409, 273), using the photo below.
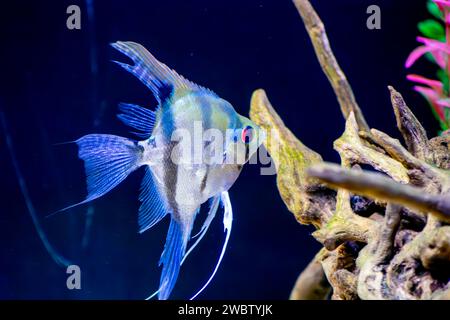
(171, 257)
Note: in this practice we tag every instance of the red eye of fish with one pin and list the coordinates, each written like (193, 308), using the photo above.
(247, 134)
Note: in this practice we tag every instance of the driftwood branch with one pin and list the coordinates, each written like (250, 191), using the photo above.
(385, 234)
(291, 158)
(353, 150)
(380, 187)
(328, 62)
(312, 283)
(412, 131)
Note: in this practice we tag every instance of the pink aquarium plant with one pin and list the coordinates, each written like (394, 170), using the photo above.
(435, 45)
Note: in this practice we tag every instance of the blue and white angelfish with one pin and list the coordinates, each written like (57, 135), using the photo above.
(171, 184)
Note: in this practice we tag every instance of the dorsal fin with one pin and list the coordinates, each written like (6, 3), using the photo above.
(158, 77)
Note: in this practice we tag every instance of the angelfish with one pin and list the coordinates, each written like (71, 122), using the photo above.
(171, 185)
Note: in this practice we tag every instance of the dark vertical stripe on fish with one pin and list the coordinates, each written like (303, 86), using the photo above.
(170, 168)
(207, 123)
(247, 152)
(204, 180)
(166, 91)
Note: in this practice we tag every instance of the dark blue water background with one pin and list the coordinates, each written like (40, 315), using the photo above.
(58, 84)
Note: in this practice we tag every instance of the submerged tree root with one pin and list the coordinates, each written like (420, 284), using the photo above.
(386, 234)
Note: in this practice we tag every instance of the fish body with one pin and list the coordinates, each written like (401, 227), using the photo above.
(193, 147)
(194, 183)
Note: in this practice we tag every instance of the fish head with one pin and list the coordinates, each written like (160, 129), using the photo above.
(244, 141)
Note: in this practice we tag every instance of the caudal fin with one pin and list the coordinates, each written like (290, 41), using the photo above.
(108, 160)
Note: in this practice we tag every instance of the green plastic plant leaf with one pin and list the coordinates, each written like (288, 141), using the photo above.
(433, 9)
(432, 29)
(430, 57)
(443, 77)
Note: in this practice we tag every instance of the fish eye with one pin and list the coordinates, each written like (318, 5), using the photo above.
(247, 134)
